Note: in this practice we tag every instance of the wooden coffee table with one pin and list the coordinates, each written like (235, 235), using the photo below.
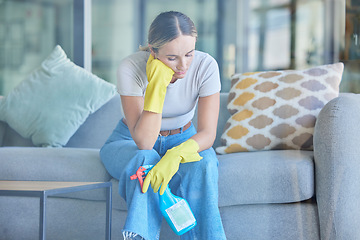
(43, 189)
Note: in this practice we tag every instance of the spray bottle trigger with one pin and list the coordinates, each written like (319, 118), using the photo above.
(141, 173)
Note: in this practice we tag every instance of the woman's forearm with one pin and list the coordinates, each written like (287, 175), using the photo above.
(146, 130)
(208, 113)
(204, 139)
(144, 126)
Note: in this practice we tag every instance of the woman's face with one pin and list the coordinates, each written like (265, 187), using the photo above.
(178, 55)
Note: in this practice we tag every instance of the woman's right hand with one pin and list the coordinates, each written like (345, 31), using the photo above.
(142, 114)
(159, 76)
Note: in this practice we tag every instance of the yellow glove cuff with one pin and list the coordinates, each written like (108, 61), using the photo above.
(188, 151)
(154, 98)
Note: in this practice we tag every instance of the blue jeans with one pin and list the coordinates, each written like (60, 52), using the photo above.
(197, 182)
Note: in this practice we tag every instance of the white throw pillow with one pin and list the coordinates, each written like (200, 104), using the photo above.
(54, 100)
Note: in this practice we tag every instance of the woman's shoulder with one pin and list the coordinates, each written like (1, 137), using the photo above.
(139, 57)
(133, 66)
(204, 61)
(203, 57)
(131, 74)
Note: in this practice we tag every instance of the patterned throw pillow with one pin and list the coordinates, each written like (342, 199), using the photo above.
(278, 109)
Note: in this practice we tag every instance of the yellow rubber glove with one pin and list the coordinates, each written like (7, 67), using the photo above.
(168, 165)
(159, 76)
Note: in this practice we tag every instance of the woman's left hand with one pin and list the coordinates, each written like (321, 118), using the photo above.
(165, 169)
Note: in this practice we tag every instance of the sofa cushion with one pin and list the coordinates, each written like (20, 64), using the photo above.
(54, 164)
(54, 100)
(279, 176)
(278, 109)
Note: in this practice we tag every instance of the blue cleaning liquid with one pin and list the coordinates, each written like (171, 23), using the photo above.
(175, 209)
(176, 212)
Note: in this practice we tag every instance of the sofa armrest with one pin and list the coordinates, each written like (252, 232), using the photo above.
(337, 167)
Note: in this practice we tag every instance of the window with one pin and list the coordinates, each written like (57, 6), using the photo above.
(350, 51)
(29, 30)
(115, 36)
(241, 35)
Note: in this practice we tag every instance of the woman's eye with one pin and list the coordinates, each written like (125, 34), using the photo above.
(189, 55)
(171, 59)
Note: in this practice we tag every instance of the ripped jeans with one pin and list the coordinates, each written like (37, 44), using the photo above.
(197, 182)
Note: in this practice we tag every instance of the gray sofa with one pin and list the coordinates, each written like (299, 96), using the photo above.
(283, 194)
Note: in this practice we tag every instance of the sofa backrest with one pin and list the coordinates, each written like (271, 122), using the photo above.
(98, 126)
(2, 132)
(11, 138)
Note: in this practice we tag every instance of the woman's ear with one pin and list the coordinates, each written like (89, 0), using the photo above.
(152, 51)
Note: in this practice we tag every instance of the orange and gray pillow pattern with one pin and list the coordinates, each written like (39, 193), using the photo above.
(277, 109)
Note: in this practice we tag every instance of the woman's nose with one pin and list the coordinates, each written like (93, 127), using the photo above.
(181, 65)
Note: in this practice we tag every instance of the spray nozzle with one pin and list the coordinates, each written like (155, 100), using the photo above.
(141, 173)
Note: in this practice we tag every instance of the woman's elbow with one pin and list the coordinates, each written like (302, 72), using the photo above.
(145, 144)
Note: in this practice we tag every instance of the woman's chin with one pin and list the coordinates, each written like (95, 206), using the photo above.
(180, 76)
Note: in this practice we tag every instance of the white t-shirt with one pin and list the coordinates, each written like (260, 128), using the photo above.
(202, 79)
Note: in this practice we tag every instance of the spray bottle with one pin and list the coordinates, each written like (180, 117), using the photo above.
(175, 209)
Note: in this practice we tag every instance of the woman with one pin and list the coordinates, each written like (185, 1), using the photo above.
(159, 88)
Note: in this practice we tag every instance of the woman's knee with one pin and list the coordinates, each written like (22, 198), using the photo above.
(147, 157)
(209, 158)
(120, 155)
(117, 150)
(206, 166)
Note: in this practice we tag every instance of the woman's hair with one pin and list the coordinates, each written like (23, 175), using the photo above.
(166, 27)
